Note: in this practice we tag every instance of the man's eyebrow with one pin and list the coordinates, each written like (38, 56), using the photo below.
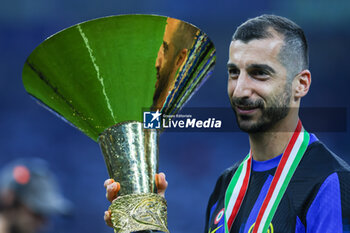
(232, 65)
(262, 67)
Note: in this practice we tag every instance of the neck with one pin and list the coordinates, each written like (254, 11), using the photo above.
(269, 144)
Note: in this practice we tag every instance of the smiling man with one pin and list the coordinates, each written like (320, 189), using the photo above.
(289, 181)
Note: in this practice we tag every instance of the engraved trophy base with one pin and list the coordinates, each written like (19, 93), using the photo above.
(139, 212)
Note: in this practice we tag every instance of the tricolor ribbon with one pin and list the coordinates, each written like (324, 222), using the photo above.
(238, 186)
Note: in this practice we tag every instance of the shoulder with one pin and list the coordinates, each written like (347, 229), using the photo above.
(216, 200)
(318, 161)
(226, 176)
(320, 177)
(319, 164)
(222, 183)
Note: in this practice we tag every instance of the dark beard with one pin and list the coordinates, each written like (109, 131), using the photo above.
(162, 84)
(277, 110)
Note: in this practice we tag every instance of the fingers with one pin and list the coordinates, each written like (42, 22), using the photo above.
(108, 218)
(161, 183)
(112, 189)
(107, 182)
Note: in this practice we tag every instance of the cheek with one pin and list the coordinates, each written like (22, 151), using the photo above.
(275, 94)
(231, 84)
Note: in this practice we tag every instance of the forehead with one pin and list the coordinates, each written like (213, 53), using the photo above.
(170, 29)
(262, 51)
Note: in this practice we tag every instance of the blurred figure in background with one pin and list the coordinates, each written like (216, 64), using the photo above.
(29, 194)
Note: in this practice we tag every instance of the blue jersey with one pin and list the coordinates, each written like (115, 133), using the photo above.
(317, 199)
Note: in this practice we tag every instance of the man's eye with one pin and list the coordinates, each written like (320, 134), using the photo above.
(259, 73)
(233, 73)
(165, 47)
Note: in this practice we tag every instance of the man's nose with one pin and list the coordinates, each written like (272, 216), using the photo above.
(243, 88)
(158, 62)
(159, 59)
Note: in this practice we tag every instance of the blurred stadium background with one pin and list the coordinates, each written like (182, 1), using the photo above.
(192, 161)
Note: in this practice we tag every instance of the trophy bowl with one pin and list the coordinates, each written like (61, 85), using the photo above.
(101, 76)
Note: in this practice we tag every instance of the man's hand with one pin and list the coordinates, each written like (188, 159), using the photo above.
(113, 187)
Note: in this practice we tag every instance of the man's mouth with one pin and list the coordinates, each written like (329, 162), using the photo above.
(244, 109)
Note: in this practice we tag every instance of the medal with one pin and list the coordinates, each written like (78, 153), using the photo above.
(238, 186)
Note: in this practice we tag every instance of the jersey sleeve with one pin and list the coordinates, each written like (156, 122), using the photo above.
(325, 213)
(344, 181)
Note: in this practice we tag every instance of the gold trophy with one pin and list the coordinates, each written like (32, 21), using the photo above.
(102, 75)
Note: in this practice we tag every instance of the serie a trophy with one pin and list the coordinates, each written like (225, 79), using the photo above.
(103, 76)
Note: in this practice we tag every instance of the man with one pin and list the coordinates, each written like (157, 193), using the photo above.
(177, 41)
(289, 182)
(28, 196)
(268, 76)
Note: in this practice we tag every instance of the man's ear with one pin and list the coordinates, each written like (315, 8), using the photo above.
(302, 83)
(181, 57)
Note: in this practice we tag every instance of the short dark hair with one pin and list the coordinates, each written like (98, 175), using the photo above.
(293, 54)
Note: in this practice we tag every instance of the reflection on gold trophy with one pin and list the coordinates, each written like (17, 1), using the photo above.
(177, 41)
(100, 75)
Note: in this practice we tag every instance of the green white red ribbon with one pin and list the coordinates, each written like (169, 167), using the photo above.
(239, 183)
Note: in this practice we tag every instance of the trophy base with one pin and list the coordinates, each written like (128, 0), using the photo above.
(139, 212)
